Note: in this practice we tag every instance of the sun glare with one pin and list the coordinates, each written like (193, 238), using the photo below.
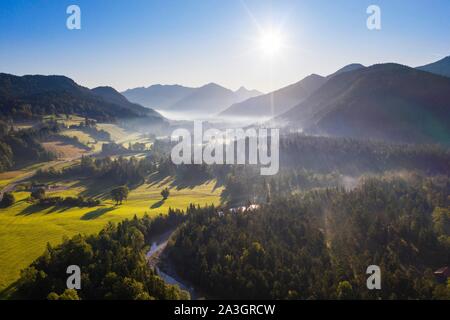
(271, 42)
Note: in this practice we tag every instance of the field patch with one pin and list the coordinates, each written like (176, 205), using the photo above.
(63, 150)
(71, 120)
(8, 177)
(25, 229)
(117, 133)
(84, 138)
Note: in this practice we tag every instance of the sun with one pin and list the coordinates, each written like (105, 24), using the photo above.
(271, 42)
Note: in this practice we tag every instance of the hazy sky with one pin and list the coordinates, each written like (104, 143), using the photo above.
(134, 43)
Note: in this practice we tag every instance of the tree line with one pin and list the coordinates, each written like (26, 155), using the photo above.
(19, 148)
(113, 264)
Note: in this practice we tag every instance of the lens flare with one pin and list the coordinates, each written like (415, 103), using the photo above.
(271, 42)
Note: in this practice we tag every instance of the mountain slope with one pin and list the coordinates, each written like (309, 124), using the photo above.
(12, 86)
(111, 95)
(36, 95)
(385, 101)
(282, 99)
(347, 68)
(207, 100)
(210, 98)
(243, 94)
(158, 96)
(441, 67)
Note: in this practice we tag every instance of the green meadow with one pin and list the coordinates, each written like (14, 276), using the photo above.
(26, 229)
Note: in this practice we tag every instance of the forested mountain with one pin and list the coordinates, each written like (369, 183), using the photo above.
(385, 101)
(113, 96)
(158, 96)
(276, 102)
(281, 100)
(33, 96)
(441, 67)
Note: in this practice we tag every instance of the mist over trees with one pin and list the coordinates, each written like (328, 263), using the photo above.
(317, 245)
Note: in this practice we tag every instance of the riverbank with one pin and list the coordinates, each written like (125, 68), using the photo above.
(157, 259)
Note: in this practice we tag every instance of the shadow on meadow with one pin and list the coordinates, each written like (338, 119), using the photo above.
(157, 204)
(94, 214)
(100, 189)
(31, 209)
(179, 182)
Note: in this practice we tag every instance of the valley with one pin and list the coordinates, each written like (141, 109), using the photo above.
(26, 228)
(361, 177)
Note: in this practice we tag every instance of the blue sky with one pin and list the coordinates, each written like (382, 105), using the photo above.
(193, 42)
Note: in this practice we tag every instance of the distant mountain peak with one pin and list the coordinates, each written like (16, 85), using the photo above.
(159, 96)
(313, 75)
(242, 89)
(347, 68)
(212, 85)
(110, 92)
(105, 88)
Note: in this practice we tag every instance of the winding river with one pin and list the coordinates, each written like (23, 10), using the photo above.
(159, 244)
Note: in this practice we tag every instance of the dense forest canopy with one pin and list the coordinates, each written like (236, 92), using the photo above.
(311, 246)
(23, 147)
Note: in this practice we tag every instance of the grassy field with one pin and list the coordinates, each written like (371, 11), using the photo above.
(63, 150)
(84, 138)
(71, 120)
(26, 229)
(117, 133)
(121, 136)
(11, 176)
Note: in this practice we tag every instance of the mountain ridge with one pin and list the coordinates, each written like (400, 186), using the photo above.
(440, 67)
(384, 101)
(158, 96)
(283, 99)
(177, 98)
(37, 95)
(112, 95)
(348, 68)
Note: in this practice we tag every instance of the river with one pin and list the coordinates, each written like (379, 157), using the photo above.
(157, 248)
